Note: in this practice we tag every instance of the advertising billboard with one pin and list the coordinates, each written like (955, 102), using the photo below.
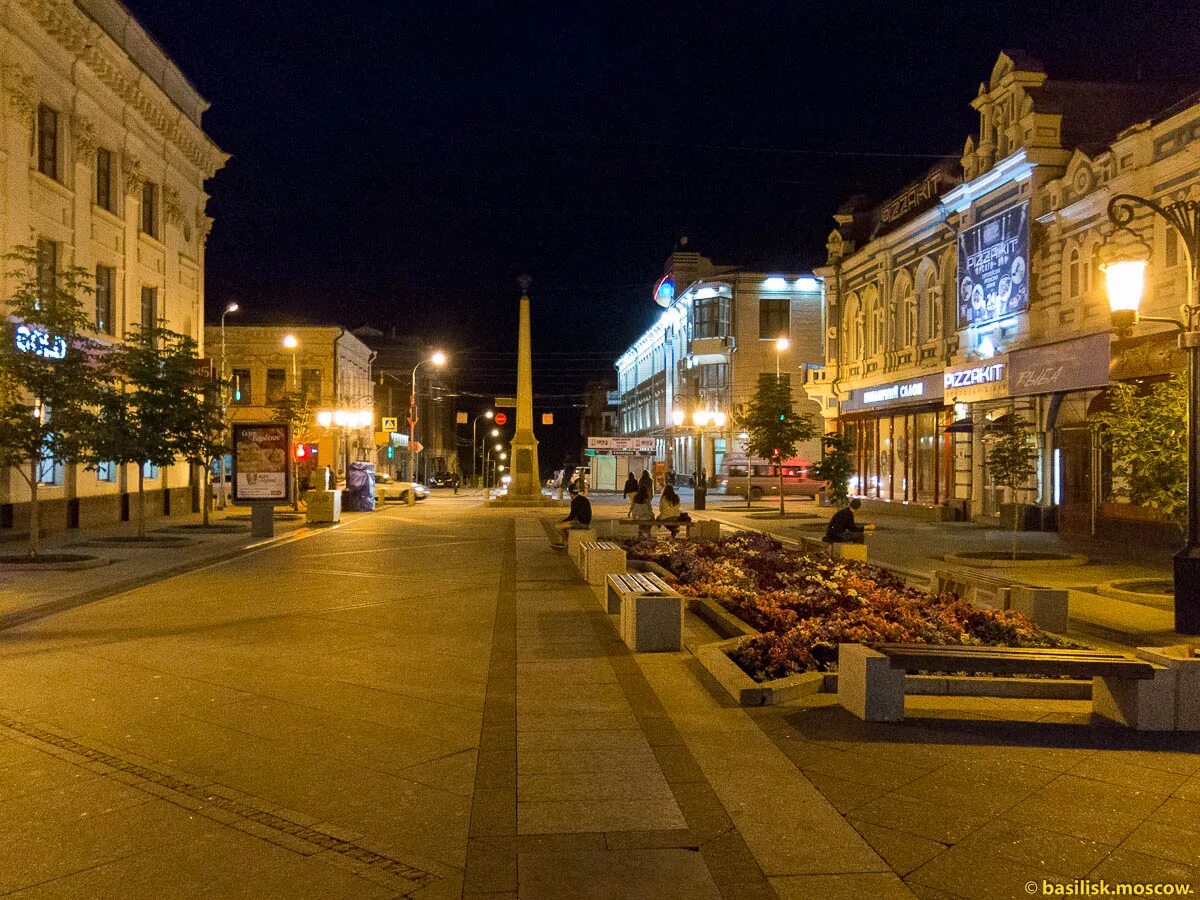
(993, 267)
(260, 461)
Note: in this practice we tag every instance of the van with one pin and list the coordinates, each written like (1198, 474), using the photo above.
(762, 480)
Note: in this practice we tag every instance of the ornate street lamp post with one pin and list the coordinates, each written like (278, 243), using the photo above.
(474, 444)
(229, 308)
(1125, 270)
(438, 359)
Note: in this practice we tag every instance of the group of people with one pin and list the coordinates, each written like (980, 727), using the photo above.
(639, 492)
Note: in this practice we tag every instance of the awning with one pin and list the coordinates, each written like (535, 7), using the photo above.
(962, 426)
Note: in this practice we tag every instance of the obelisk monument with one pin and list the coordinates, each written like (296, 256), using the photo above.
(526, 484)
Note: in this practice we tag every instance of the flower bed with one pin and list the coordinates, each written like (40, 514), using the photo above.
(806, 606)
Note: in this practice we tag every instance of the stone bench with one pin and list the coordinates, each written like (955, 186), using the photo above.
(576, 537)
(600, 559)
(817, 547)
(1045, 607)
(1130, 691)
(651, 612)
(693, 529)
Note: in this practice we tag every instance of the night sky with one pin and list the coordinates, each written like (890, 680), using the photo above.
(402, 163)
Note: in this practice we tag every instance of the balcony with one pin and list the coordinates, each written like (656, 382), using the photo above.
(711, 350)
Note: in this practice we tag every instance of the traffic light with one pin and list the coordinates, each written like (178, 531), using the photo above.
(301, 451)
(305, 452)
(391, 452)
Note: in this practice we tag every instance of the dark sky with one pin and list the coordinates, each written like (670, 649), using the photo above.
(402, 163)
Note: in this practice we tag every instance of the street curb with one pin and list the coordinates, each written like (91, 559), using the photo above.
(64, 604)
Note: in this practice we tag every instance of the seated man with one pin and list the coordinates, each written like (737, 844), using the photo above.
(842, 527)
(580, 516)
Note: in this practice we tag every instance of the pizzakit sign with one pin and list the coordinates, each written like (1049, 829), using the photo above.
(987, 381)
(993, 267)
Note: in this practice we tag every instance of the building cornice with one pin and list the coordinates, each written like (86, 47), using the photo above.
(79, 35)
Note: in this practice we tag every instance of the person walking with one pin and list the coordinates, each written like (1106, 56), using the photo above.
(669, 510)
(454, 483)
(630, 489)
(641, 510)
(646, 482)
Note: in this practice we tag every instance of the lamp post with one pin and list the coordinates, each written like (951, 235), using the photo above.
(229, 308)
(438, 359)
(781, 344)
(290, 342)
(1124, 271)
(487, 414)
(495, 432)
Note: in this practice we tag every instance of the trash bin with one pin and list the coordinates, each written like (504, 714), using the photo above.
(360, 488)
(700, 493)
(323, 507)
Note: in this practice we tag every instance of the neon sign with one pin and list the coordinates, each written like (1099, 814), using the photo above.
(664, 291)
(32, 340)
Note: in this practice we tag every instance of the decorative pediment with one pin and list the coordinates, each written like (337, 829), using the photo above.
(1080, 176)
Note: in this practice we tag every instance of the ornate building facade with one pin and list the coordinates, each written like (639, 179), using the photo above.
(975, 295)
(103, 164)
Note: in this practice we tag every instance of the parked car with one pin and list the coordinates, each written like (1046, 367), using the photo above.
(387, 489)
(762, 479)
(441, 479)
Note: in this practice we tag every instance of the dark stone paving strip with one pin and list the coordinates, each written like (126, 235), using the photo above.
(710, 830)
(492, 841)
(315, 839)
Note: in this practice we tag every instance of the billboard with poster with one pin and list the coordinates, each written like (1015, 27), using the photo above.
(261, 466)
(993, 267)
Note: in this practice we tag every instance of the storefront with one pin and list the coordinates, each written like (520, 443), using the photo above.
(900, 445)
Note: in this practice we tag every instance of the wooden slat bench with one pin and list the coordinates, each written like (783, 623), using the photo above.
(1128, 690)
(695, 529)
(651, 612)
(1045, 607)
(600, 559)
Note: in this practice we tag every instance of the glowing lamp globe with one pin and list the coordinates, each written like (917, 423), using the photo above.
(1125, 279)
(678, 417)
(438, 359)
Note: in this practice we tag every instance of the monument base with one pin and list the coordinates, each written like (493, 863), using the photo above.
(526, 501)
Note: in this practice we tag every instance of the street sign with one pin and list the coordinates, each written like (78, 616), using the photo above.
(390, 423)
(637, 444)
(417, 446)
(462, 418)
(547, 418)
(510, 402)
(501, 419)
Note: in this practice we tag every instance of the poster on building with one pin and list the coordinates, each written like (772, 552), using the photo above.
(260, 461)
(993, 267)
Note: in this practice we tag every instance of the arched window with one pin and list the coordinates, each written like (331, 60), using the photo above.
(928, 302)
(875, 323)
(904, 312)
(853, 328)
(1074, 274)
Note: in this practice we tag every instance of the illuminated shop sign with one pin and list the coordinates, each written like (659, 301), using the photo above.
(664, 291)
(977, 382)
(34, 340)
(918, 196)
(993, 267)
(916, 390)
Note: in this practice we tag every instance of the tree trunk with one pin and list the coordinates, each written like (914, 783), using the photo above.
(205, 497)
(781, 488)
(34, 523)
(141, 518)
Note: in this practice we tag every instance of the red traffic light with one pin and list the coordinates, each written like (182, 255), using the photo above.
(301, 451)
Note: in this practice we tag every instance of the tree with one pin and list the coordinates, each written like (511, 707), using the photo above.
(1147, 434)
(836, 466)
(205, 439)
(773, 428)
(152, 411)
(48, 388)
(295, 410)
(1011, 461)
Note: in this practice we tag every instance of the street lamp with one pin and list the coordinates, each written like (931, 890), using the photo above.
(1124, 272)
(438, 359)
(290, 342)
(487, 414)
(781, 344)
(229, 308)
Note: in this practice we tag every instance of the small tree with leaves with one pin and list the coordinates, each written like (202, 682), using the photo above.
(153, 405)
(772, 426)
(295, 410)
(1011, 461)
(48, 386)
(836, 466)
(205, 439)
(1147, 435)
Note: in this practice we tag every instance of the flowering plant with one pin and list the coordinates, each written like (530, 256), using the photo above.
(805, 606)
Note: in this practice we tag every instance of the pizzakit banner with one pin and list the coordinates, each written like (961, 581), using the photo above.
(993, 267)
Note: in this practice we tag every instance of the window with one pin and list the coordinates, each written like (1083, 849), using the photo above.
(149, 307)
(310, 385)
(106, 281)
(711, 317)
(276, 384)
(774, 317)
(50, 472)
(104, 192)
(150, 209)
(47, 142)
(47, 269)
(1073, 274)
(240, 384)
(106, 471)
(149, 471)
(715, 376)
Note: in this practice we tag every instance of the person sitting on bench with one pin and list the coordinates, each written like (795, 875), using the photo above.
(669, 511)
(580, 516)
(641, 510)
(842, 527)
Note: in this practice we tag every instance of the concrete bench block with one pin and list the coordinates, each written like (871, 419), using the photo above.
(704, 530)
(868, 686)
(1146, 704)
(599, 563)
(848, 551)
(1180, 660)
(575, 537)
(1045, 607)
(652, 623)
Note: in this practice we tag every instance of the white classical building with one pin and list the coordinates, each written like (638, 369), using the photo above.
(103, 164)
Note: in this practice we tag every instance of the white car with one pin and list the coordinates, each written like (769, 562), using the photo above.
(386, 489)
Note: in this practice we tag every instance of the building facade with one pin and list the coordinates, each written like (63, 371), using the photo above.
(974, 295)
(327, 364)
(103, 165)
(682, 380)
